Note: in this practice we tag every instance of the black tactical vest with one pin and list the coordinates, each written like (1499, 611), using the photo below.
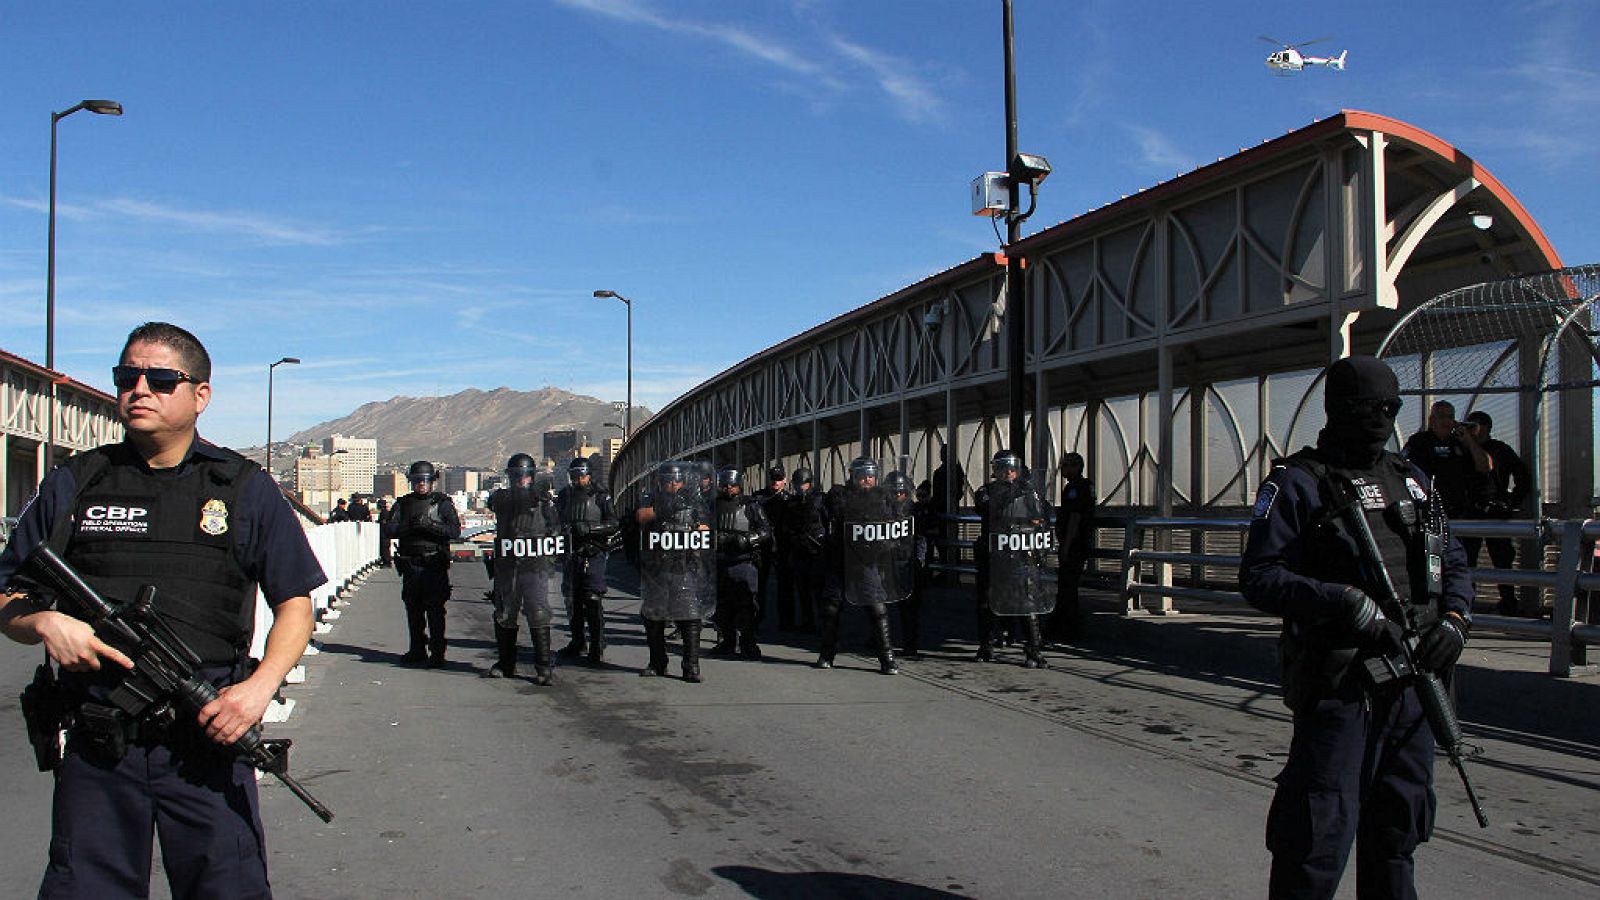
(130, 527)
(1399, 512)
(415, 542)
(579, 505)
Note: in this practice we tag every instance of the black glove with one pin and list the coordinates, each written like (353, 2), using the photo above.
(1442, 645)
(1373, 630)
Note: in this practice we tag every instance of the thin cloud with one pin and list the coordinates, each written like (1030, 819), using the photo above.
(1158, 151)
(913, 98)
(273, 230)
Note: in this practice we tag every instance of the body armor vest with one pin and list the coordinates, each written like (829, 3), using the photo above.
(1399, 512)
(416, 542)
(733, 517)
(578, 505)
(175, 530)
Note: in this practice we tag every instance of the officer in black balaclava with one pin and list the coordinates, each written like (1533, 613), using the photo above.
(1360, 766)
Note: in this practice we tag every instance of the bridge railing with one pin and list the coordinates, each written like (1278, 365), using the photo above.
(1147, 573)
(345, 550)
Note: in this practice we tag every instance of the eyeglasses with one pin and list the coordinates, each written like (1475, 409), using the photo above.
(161, 381)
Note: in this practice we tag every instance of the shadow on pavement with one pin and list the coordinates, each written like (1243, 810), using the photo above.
(766, 884)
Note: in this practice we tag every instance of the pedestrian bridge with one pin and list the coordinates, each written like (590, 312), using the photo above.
(1175, 336)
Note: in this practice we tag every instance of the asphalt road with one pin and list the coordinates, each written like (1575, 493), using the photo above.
(1138, 766)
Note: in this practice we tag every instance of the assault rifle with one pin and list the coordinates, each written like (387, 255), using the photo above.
(1430, 690)
(162, 686)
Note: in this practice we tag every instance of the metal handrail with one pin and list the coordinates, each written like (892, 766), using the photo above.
(1572, 573)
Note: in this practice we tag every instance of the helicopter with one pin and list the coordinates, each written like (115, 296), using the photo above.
(1290, 61)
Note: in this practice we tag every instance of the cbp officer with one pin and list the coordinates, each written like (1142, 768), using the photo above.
(203, 525)
(424, 522)
(591, 522)
(1360, 765)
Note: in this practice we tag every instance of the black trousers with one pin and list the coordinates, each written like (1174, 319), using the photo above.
(1358, 772)
(425, 590)
(1502, 555)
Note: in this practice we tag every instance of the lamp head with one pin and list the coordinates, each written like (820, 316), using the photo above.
(103, 107)
(1029, 168)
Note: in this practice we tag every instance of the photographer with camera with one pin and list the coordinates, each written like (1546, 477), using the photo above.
(1449, 453)
(1350, 546)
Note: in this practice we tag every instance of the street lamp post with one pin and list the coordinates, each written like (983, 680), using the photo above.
(98, 107)
(627, 415)
(292, 361)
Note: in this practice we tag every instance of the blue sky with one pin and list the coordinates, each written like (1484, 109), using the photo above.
(420, 197)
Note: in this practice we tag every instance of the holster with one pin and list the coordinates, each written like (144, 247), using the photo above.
(101, 732)
(44, 712)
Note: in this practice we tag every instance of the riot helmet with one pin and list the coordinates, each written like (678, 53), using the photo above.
(670, 476)
(728, 480)
(518, 467)
(861, 469)
(422, 471)
(1006, 465)
(897, 483)
(578, 468)
(801, 480)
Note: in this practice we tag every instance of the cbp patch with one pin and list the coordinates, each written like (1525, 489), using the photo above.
(1416, 490)
(1264, 498)
(214, 517)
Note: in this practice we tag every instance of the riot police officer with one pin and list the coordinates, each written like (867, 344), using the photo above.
(424, 522)
(742, 533)
(1360, 765)
(911, 560)
(1013, 538)
(677, 561)
(591, 523)
(528, 547)
(776, 578)
(805, 534)
(863, 531)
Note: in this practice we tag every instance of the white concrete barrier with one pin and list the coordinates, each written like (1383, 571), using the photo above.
(345, 550)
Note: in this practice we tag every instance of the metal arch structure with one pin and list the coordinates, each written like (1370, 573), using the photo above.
(1177, 335)
(85, 418)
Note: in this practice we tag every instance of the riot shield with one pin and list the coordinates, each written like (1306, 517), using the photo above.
(876, 560)
(529, 551)
(1017, 559)
(677, 556)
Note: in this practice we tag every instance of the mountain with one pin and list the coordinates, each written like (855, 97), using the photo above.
(472, 428)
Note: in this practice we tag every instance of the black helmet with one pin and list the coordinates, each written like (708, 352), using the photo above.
(863, 467)
(727, 477)
(520, 465)
(1005, 461)
(897, 483)
(671, 472)
(422, 469)
(801, 476)
(708, 472)
(578, 467)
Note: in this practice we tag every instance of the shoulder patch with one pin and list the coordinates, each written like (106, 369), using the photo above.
(1264, 498)
(1416, 489)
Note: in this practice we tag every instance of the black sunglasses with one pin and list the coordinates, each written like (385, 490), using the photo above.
(161, 381)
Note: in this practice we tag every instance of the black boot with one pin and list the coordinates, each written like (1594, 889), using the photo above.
(886, 663)
(985, 635)
(910, 629)
(727, 639)
(1031, 644)
(575, 621)
(655, 637)
(505, 642)
(597, 631)
(543, 662)
(746, 628)
(691, 651)
(828, 630)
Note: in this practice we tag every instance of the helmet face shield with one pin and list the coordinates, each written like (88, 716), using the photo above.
(728, 479)
(1005, 466)
(864, 472)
